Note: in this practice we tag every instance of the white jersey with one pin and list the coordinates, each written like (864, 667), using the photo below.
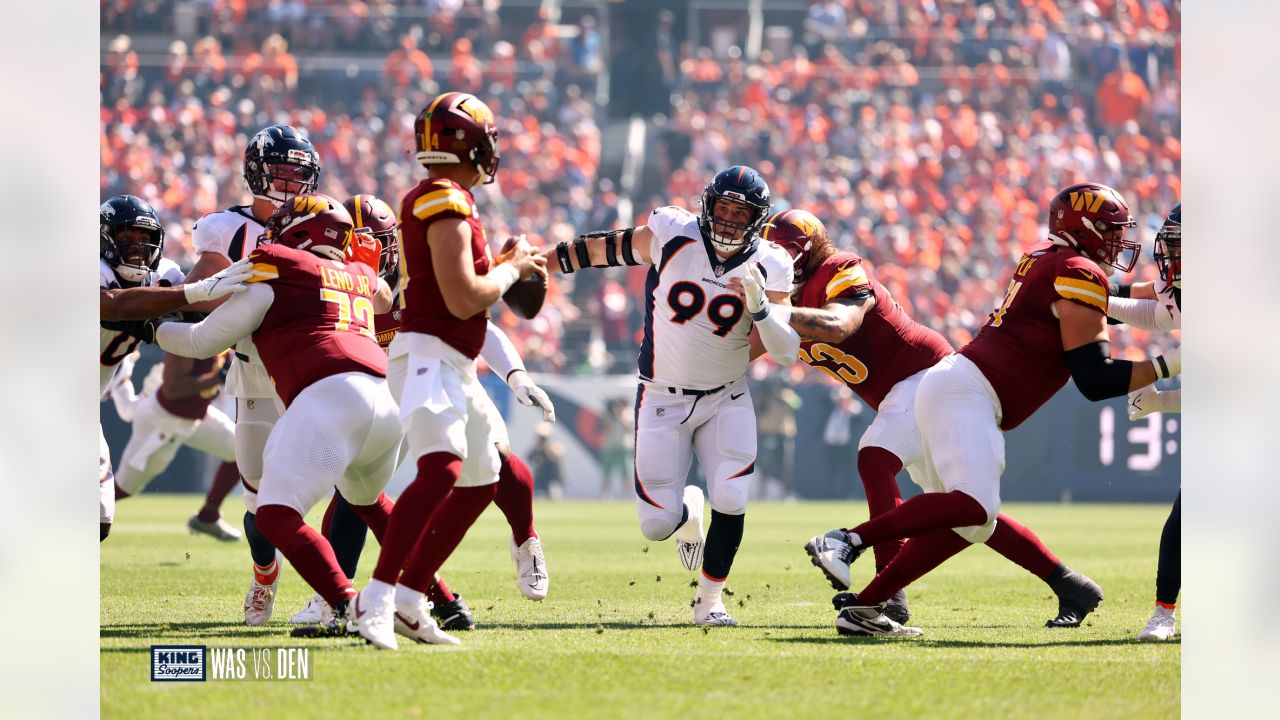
(113, 344)
(234, 233)
(1170, 299)
(695, 330)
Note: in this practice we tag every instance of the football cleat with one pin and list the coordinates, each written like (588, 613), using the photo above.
(375, 622)
(712, 614)
(833, 553)
(1077, 597)
(261, 599)
(1161, 626)
(531, 568)
(690, 537)
(896, 609)
(417, 623)
(856, 618)
(335, 624)
(218, 529)
(454, 615)
(315, 611)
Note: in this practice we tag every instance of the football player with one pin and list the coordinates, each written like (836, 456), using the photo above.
(279, 162)
(344, 528)
(451, 425)
(135, 283)
(692, 396)
(310, 313)
(1051, 326)
(854, 331)
(177, 407)
(1158, 306)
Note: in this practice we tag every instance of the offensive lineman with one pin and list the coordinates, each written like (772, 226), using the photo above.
(134, 282)
(854, 331)
(279, 162)
(1051, 326)
(1158, 306)
(450, 423)
(692, 396)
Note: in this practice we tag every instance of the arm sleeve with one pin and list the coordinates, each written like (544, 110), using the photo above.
(1145, 314)
(499, 353)
(779, 338)
(236, 318)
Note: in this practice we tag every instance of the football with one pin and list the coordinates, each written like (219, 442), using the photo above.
(526, 296)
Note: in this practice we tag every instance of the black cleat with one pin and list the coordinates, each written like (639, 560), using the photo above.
(897, 608)
(1077, 597)
(857, 618)
(454, 615)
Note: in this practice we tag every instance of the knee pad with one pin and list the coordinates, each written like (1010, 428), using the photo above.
(251, 443)
(659, 526)
(427, 432)
(729, 496)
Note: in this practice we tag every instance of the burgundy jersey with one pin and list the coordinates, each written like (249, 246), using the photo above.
(1019, 350)
(320, 322)
(192, 407)
(386, 325)
(888, 348)
(423, 306)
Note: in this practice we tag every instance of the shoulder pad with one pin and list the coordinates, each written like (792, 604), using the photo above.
(1080, 280)
(441, 199)
(670, 221)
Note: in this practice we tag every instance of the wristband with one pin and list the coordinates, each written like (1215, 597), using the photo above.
(1162, 367)
(762, 314)
(505, 276)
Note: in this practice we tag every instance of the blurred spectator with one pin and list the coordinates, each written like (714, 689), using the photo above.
(619, 444)
(407, 63)
(545, 463)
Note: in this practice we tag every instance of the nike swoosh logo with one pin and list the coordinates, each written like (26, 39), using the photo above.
(735, 397)
(411, 625)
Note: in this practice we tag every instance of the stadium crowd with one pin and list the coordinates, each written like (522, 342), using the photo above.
(929, 136)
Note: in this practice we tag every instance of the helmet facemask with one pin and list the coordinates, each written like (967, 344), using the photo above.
(277, 182)
(735, 226)
(1168, 254)
(133, 250)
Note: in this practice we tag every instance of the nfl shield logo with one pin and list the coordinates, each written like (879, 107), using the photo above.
(719, 270)
(661, 412)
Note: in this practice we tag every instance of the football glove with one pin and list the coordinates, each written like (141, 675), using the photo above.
(230, 279)
(530, 395)
(753, 291)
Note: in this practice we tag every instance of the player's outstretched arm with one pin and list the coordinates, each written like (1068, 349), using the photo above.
(1141, 313)
(501, 356)
(207, 265)
(142, 303)
(833, 322)
(612, 248)
(234, 319)
(465, 293)
(1088, 354)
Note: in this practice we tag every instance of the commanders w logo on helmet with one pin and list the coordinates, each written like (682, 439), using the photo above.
(316, 222)
(457, 127)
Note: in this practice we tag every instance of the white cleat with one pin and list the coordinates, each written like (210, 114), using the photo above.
(417, 623)
(375, 622)
(261, 599)
(218, 529)
(315, 612)
(833, 553)
(712, 614)
(690, 537)
(1160, 627)
(531, 568)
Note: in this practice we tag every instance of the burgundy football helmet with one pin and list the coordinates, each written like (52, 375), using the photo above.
(456, 127)
(1092, 218)
(800, 233)
(375, 217)
(317, 223)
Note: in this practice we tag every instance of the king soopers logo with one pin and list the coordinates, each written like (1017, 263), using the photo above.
(178, 663)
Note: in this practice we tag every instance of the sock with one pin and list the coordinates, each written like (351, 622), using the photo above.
(878, 468)
(444, 532)
(120, 493)
(326, 522)
(378, 593)
(1165, 608)
(407, 597)
(437, 472)
(709, 588)
(921, 515)
(376, 516)
(347, 533)
(439, 593)
(515, 497)
(723, 538)
(1016, 542)
(307, 550)
(260, 548)
(1169, 569)
(223, 481)
(267, 574)
(918, 556)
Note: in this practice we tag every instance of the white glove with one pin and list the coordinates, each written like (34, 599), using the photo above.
(753, 290)
(229, 280)
(1144, 401)
(1172, 361)
(529, 394)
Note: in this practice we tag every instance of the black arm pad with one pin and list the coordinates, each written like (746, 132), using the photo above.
(1096, 374)
(611, 250)
(562, 255)
(580, 249)
(628, 256)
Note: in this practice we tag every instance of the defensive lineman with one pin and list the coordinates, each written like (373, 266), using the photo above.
(711, 279)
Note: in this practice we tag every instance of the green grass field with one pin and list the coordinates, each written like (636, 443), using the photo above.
(613, 639)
